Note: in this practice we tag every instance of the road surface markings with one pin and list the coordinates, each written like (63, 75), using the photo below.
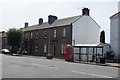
(38, 65)
(92, 74)
(50, 67)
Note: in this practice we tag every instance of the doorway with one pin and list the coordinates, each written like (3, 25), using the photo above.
(54, 49)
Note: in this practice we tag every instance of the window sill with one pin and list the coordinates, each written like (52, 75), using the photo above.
(62, 54)
(63, 37)
(45, 38)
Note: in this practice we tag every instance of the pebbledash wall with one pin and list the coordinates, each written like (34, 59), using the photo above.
(52, 36)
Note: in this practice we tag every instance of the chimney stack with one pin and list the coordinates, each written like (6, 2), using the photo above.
(40, 21)
(51, 19)
(26, 24)
(85, 11)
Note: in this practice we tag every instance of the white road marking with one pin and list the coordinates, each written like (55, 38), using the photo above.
(45, 66)
(55, 68)
(39, 65)
(79, 72)
(50, 67)
(92, 74)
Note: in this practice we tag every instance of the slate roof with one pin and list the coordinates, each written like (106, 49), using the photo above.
(115, 15)
(56, 23)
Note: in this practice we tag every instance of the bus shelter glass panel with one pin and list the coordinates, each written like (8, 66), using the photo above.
(76, 53)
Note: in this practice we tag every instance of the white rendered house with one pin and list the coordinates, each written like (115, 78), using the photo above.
(85, 30)
(115, 34)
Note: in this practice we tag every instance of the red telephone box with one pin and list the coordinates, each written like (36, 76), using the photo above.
(69, 53)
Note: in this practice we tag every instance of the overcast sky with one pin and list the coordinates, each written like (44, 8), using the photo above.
(14, 13)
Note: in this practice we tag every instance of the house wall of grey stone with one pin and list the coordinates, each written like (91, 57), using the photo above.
(50, 40)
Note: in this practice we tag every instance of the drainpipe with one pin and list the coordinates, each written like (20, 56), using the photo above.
(49, 46)
(74, 42)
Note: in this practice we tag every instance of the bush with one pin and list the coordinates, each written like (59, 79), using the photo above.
(49, 56)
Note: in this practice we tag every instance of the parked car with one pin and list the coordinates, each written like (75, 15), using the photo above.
(25, 52)
(18, 52)
(22, 52)
(5, 51)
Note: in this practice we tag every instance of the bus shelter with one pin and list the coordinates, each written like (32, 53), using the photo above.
(88, 53)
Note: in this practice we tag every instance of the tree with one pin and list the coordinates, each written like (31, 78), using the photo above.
(102, 36)
(14, 37)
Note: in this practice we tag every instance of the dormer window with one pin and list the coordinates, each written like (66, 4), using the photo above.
(45, 34)
(55, 33)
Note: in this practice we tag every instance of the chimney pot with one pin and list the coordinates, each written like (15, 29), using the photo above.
(40, 21)
(85, 11)
(26, 24)
(51, 19)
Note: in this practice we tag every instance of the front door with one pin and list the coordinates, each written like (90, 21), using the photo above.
(54, 49)
(30, 48)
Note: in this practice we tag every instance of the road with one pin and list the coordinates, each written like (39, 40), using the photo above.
(28, 67)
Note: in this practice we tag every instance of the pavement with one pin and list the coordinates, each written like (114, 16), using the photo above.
(108, 64)
(113, 64)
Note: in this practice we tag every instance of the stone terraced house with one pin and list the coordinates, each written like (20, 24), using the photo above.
(52, 36)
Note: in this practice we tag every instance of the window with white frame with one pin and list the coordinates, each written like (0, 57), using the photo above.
(63, 48)
(45, 48)
(55, 33)
(45, 34)
(31, 35)
(64, 32)
(36, 48)
(36, 35)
